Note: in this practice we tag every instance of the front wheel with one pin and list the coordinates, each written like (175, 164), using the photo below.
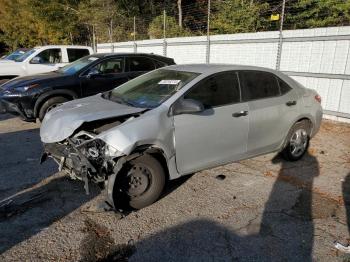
(140, 183)
(298, 142)
(49, 105)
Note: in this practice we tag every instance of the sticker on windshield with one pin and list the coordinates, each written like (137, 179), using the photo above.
(93, 58)
(169, 82)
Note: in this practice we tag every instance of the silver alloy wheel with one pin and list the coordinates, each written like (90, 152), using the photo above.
(52, 107)
(298, 142)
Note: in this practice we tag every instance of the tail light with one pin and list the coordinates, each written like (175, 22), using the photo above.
(318, 98)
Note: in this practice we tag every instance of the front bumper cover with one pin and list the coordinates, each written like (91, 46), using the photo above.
(14, 109)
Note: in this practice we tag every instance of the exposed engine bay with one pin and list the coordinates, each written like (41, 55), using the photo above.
(85, 157)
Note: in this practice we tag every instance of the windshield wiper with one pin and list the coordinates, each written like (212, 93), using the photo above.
(120, 100)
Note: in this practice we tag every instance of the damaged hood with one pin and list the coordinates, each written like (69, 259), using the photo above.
(61, 122)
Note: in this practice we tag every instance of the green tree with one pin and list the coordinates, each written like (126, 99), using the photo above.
(317, 13)
(22, 31)
(172, 28)
(239, 16)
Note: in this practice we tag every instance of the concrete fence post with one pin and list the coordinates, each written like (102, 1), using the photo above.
(208, 36)
(280, 41)
(164, 34)
(134, 34)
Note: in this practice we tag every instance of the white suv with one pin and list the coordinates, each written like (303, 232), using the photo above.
(42, 59)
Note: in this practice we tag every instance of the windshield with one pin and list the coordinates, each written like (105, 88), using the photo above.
(152, 89)
(14, 55)
(25, 55)
(77, 65)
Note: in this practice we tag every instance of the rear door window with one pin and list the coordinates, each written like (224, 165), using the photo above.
(75, 53)
(140, 64)
(110, 66)
(284, 87)
(217, 90)
(159, 64)
(258, 85)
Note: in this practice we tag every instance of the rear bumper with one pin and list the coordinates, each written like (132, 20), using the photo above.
(317, 124)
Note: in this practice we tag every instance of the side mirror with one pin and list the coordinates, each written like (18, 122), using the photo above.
(36, 60)
(93, 73)
(187, 106)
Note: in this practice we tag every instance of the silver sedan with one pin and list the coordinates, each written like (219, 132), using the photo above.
(176, 121)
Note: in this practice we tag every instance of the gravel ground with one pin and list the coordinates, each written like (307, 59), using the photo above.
(261, 209)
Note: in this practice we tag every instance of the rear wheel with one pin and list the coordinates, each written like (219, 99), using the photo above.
(50, 104)
(298, 141)
(140, 184)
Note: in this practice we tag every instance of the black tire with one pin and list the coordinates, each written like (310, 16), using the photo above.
(49, 104)
(287, 153)
(125, 197)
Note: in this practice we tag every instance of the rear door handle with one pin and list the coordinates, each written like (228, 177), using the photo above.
(291, 103)
(240, 113)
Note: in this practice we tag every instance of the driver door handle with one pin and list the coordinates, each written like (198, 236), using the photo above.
(240, 113)
(291, 103)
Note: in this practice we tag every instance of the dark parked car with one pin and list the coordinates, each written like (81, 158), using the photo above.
(32, 96)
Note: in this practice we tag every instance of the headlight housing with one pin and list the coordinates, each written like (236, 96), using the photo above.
(97, 149)
(22, 89)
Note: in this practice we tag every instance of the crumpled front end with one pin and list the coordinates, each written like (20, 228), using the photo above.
(92, 139)
(83, 157)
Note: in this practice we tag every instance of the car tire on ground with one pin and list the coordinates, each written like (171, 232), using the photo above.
(50, 104)
(140, 183)
(297, 141)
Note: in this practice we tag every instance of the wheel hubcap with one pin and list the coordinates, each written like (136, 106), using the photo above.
(52, 107)
(138, 180)
(298, 142)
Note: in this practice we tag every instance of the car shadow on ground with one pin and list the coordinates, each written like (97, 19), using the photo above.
(32, 196)
(173, 185)
(284, 232)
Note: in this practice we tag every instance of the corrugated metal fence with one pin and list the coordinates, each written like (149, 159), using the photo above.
(318, 58)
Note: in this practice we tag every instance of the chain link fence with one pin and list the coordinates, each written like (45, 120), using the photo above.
(308, 40)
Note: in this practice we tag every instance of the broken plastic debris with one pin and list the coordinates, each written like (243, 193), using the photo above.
(98, 207)
(342, 248)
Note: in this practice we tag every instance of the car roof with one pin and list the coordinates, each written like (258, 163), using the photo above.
(130, 54)
(64, 46)
(216, 68)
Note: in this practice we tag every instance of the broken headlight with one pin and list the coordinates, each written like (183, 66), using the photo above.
(97, 149)
(94, 150)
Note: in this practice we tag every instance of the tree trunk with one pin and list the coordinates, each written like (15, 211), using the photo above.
(180, 12)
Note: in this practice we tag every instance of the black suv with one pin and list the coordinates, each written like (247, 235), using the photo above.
(32, 96)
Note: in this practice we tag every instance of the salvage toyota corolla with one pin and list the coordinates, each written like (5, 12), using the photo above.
(179, 120)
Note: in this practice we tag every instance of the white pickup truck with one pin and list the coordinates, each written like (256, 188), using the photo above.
(42, 59)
